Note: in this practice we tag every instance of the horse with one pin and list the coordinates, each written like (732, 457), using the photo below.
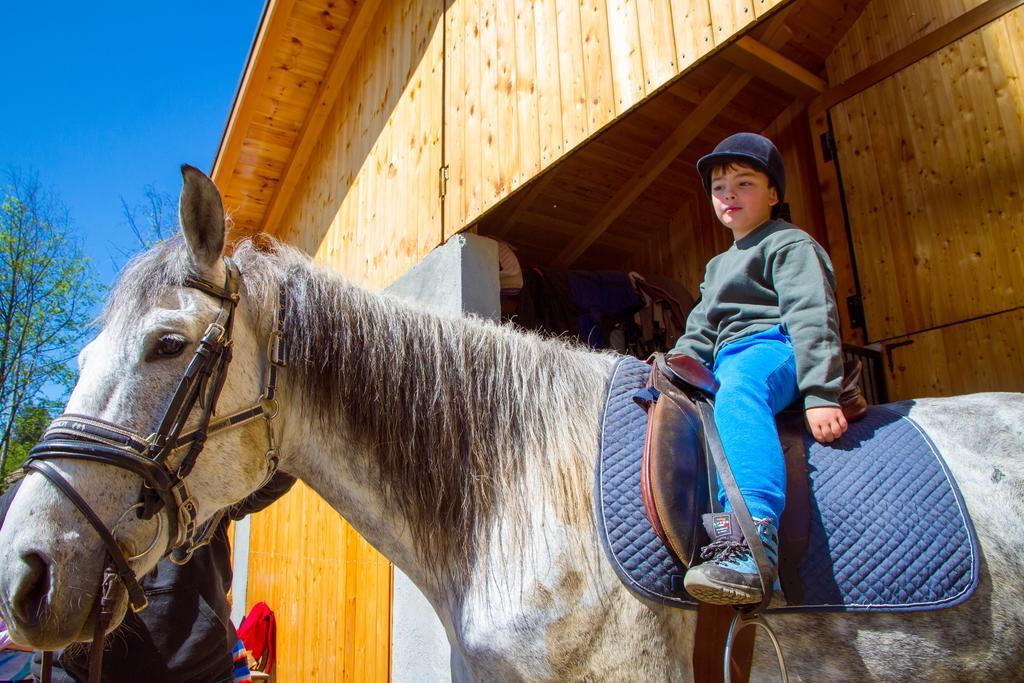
(464, 451)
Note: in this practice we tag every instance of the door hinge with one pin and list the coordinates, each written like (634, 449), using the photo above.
(888, 353)
(855, 309)
(828, 146)
(442, 181)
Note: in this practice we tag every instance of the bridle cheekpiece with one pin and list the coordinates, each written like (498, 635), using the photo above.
(81, 437)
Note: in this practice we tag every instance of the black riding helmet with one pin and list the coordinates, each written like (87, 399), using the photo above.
(749, 148)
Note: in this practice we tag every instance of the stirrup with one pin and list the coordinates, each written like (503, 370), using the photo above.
(741, 621)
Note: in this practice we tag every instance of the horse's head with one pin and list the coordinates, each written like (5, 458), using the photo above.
(145, 384)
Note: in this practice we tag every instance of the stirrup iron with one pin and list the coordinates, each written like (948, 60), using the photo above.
(741, 621)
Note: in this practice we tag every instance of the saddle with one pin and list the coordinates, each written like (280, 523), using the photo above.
(675, 458)
(887, 529)
(678, 475)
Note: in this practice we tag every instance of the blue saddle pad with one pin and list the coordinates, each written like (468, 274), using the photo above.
(889, 530)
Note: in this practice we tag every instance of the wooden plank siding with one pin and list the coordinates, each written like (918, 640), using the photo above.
(329, 589)
(366, 205)
(986, 354)
(885, 27)
(925, 102)
(292, 53)
(543, 77)
(933, 188)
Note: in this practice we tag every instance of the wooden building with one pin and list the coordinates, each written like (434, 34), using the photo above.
(369, 132)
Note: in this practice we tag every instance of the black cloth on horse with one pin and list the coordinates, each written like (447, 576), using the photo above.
(5, 500)
(185, 634)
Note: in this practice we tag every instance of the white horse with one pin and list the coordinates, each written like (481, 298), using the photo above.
(464, 451)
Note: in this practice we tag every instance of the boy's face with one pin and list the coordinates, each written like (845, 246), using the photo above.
(743, 198)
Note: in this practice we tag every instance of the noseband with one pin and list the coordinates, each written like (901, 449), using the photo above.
(81, 437)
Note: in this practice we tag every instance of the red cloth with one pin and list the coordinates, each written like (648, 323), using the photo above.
(259, 633)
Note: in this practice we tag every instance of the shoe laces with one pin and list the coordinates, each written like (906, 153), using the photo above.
(724, 550)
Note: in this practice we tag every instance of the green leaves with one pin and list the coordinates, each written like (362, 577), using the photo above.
(29, 425)
(47, 296)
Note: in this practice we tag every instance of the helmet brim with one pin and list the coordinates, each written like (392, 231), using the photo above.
(709, 161)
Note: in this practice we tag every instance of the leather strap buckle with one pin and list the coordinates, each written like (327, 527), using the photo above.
(215, 329)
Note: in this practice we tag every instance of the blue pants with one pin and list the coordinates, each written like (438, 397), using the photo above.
(758, 379)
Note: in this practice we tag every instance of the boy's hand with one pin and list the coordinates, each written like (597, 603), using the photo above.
(826, 423)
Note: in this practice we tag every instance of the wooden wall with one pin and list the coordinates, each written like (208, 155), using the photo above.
(927, 153)
(886, 26)
(527, 82)
(368, 204)
(329, 589)
(932, 171)
(986, 354)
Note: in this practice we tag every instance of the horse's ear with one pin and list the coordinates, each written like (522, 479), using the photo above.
(202, 217)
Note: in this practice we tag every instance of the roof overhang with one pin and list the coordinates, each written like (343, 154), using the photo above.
(300, 57)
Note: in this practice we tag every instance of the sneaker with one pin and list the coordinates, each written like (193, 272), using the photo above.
(729, 574)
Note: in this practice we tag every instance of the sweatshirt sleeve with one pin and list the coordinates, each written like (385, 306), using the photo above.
(278, 485)
(698, 340)
(807, 305)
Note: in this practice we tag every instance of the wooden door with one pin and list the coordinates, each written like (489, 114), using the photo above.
(933, 171)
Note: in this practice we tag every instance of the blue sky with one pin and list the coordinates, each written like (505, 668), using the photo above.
(102, 99)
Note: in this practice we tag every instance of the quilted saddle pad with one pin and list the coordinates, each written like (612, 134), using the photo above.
(889, 530)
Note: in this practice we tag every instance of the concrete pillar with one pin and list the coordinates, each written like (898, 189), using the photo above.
(240, 570)
(460, 276)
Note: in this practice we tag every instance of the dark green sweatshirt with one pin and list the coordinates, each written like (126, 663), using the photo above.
(776, 274)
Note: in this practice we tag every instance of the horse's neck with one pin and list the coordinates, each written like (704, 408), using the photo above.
(552, 482)
(339, 471)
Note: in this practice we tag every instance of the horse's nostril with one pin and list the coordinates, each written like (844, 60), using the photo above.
(31, 593)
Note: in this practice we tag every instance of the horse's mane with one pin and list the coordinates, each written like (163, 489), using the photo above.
(459, 410)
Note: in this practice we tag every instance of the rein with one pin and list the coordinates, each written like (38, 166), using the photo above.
(82, 437)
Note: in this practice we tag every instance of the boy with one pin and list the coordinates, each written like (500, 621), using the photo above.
(767, 325)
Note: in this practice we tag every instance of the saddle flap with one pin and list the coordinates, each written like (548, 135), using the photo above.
(673, 474)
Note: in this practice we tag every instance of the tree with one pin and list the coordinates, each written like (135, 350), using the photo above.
(29, 425)
(47, 297)
(153, 219)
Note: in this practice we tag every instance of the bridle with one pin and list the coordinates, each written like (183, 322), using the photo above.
(81, 437)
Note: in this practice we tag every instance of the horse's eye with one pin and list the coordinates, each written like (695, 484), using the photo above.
(170, 345)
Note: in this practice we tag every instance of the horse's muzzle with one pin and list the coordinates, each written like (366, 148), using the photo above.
(30, 601)
(34, 609)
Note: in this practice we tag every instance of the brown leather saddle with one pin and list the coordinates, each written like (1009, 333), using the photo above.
(678, 475)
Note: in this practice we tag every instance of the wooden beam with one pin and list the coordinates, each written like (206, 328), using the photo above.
(272, 30)
(677, 141)
(531, 195)
(775, 36)
(345, 54)
(765, 63)
(965, 24)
